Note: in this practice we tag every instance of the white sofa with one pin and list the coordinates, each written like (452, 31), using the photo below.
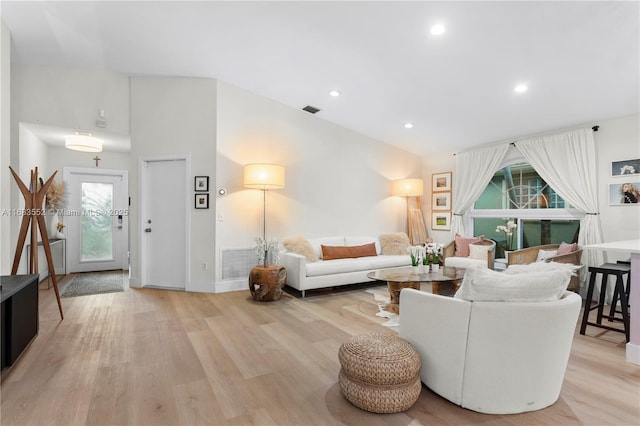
(303, 275)
(491, 357)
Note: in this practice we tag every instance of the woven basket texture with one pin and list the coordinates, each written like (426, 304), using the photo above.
(379, 359)
(381, 398)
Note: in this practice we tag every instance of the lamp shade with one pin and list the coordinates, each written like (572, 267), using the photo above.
(407, 187)
(263, 176)
(85, 143)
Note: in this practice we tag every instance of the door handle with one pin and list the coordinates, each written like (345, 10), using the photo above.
(147, 230)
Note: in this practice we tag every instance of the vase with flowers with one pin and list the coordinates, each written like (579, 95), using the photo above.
(508, 234)
(417, 254)
(264, 248)
(433, 255)
(54, 201)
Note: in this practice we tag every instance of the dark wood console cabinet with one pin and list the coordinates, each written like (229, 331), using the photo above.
(19, 321)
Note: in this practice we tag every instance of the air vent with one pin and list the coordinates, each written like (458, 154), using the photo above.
(311, 109)
(237, 263)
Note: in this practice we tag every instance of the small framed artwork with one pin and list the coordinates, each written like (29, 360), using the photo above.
(201, 184)
(441, 182)
(624, 194)
(625, 168)
(441, 201)
(441, 221)
(202, 201)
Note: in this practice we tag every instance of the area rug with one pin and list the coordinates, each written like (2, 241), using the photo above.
(87, 283)
(382, 298)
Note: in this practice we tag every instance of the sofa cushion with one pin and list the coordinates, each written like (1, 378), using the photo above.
(565, 248)
(390, 261)
(345, 252)
(358, 241)
(395, 243)
(338, 266)
(479, 251)
(485, 285)
(464, 262)
(301, 246)
(462, 244)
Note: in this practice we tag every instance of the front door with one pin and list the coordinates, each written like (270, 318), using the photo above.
(96, 219)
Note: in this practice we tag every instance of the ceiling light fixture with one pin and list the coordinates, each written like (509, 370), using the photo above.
(334, 93)
(520, 88)
(83, 142)
(437, 29)
(408, 125)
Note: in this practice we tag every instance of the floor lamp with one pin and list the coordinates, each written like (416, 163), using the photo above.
(415, 221)
(264, 177)
(265, 282)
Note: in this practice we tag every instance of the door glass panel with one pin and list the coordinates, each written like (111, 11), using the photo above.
(97, 237)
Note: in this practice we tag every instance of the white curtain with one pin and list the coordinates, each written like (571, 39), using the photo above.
(474, 170)
(567, 162)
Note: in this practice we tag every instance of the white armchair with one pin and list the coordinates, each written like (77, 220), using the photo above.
(491, 357)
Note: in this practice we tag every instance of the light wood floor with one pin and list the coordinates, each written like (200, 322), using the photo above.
(145, 357)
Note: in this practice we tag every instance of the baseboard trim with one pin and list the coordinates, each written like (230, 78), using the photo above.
(231, 285)
(201, 287)
(633, 353)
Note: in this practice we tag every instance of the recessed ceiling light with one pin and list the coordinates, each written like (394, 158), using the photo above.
(520, 88)
(437, 29)
(408, 125)
(334, 93)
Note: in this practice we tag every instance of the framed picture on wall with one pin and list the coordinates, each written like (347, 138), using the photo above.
(625, 167)
(624, 193)
(201, 184)
(441, 221)
(441, 201)
(441, 182)
(202, 201)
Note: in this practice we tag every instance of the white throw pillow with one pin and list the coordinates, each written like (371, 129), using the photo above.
(486, 285)
(545, 254)
(541, 267)
(479, 251)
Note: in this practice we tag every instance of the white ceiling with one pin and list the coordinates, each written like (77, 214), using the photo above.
(580, 59)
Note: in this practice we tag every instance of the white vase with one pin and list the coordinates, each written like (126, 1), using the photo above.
(53, 225)
(435, 267)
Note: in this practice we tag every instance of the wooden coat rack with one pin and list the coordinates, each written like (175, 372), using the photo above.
(33, 215)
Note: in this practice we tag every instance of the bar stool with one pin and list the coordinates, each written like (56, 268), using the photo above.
(606, 269)
(616, 295)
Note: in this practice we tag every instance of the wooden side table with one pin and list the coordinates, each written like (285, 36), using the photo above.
(394, 293)
(266, 282)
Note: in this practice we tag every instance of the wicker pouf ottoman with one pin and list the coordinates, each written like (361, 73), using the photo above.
(380, 372)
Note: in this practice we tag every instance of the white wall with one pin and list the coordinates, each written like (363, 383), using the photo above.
(33, 153)
(438, 162)
(59, 157)
(617, 139)
(71, 97)
(176, 116)
(337, 181)
(5, 149)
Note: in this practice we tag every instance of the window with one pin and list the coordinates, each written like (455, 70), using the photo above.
(516, 192)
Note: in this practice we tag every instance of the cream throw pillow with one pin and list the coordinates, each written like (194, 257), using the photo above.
(484, 285)
(542, 267)
(394, 244)
(301, 246)
(479, 251)
(545, 254)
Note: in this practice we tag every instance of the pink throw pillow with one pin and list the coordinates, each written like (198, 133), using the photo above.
(462, 244)
(567, 248)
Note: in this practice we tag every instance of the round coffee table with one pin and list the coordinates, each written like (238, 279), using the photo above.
(412, 277)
